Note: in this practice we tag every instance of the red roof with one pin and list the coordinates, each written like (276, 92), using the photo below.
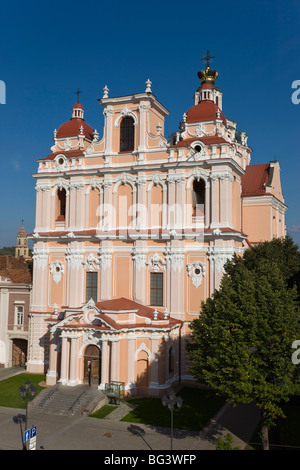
(205, 86)
(15, 269)
(67, 154)
(207, 140)
(206, 110)
(255, 179)
(72, 128)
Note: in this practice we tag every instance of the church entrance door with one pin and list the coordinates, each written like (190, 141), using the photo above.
(92, 365)
(19, 352)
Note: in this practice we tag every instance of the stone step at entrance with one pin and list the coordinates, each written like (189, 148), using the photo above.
(70, 401)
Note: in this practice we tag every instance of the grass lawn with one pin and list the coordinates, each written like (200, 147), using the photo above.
(286, 434)
(103, 411)
(9, 389)
(198, 407)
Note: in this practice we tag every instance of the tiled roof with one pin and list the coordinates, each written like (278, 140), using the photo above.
(204, 111)
(207, 140)
(255, 179)
(67, 154)
(15, 269)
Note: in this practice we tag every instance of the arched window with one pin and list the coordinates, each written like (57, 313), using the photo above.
(127, 134)
(61, 195)
(198, 197)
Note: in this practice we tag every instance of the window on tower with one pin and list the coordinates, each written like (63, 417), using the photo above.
(156, 289)
(61, 196)
(91, 286)
(198, 196)
(127, 134)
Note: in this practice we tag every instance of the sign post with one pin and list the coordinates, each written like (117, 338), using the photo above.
(30, 435)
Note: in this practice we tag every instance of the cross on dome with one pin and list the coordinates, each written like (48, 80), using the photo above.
(78, 93)
(208, 58)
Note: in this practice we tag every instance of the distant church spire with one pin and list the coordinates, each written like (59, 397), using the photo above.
(22, 245)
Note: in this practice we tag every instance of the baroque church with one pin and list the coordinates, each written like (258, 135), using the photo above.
(132, 232)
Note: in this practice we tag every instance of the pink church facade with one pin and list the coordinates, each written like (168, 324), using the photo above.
(132, 232)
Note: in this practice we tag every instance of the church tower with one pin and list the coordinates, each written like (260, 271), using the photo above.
(22, 245)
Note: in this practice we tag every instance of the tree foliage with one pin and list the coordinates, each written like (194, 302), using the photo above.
(241, 343)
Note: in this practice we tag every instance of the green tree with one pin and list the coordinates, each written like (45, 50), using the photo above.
(241, 343)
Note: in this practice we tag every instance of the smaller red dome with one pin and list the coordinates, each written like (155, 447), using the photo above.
(204, 111)
(72, 129)
(78, 105)
(205, 86)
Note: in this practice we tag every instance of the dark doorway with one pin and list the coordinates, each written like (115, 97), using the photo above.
(92, 365)
(19, 352)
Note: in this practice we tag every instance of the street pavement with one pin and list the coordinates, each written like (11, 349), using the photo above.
(58, 432)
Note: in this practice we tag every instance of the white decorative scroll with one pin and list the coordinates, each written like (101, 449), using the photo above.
(196, 271)
(156, 263)
(91, 263)
(57, 270)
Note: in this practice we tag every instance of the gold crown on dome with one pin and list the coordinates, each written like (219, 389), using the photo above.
(208, 76)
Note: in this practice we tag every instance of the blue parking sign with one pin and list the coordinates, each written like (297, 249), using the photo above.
(26, 435)
(33, 431)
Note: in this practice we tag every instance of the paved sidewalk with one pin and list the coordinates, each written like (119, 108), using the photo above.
(57, 432)
(239, 421)
(5, 373)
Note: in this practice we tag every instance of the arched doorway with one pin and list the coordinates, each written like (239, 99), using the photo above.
(19, 352)
(92, 365)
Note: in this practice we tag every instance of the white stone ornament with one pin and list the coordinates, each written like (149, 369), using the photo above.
(57, 270)
(91, 263)
(196, 271)
(105, 92)
(156, 263)
(148, 86)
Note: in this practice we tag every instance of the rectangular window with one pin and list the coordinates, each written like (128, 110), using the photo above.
(91, 286)
(20, 315)
(156, 289)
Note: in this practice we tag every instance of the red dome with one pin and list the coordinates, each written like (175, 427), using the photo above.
(78, 105)
(206, 110)
(72, 128)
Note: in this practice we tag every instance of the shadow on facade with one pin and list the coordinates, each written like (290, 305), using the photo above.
(166, 371)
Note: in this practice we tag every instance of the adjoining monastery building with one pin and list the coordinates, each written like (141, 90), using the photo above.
(132, 232)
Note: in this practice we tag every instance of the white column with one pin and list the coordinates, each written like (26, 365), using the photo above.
(72, 204)
(73, 379)
(38, 211)
(155, 338)
(52, 372)
(214, 202)
(108, 130)
(131, 361)
(105, 254)
(115, 359)
(139, 255)
(142, 208)
(80, 207)
(104, 363)
(142, 129)
(46, 209)
(64, 374)
(180, 203)
(171, 202)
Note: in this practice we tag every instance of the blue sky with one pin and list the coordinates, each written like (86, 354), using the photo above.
(48, 50)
